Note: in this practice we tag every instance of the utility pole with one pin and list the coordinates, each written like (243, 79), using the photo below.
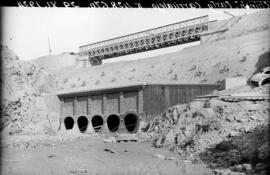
(50, 51)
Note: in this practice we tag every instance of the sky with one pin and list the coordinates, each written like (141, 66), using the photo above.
(26, 31)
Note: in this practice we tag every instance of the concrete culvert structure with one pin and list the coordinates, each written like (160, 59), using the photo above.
(113, 122)
(97, 123)
(69, 123)
(131, 122)
(82, 123)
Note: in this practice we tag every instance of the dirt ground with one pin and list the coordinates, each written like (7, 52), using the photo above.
(87, 156)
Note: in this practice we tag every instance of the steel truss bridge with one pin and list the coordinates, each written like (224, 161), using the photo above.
(160, 37)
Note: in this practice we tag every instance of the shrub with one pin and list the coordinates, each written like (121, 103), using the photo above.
(224, 69)
(65, 80)
(97, 82)
(83, 83)
(113, 80)
(199, 74)
(174, 77)
(243, 59)
(131, 78)
(193, 68)
(102, 74)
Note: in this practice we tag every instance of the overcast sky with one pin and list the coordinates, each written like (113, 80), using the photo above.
(26, 30)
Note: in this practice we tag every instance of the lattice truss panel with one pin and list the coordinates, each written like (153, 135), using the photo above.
(164, 36)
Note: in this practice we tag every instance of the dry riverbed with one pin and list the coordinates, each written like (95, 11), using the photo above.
(91, 155)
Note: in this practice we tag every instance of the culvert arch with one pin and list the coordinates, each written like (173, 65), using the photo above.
(82, 123)
(69, 123)
(97, 122)
(113, 122)
(131, 121)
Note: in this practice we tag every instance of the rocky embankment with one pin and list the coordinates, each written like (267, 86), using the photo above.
(228, 136)
(22, 84)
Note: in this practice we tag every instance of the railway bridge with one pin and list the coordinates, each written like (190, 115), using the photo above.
(165, 36)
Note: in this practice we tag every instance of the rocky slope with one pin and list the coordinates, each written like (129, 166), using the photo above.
(222, 134)
(23, 83)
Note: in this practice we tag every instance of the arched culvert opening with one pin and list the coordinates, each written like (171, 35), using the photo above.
(131, 122)
(97, 122)
(265, 81)
(113, 122)
(82, 123)
(69, 122)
